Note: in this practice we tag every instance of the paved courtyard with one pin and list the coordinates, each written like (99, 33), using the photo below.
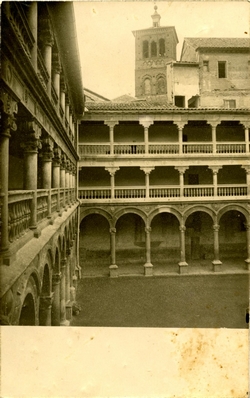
(199, 300)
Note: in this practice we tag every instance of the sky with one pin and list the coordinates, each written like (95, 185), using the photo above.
(106, 42)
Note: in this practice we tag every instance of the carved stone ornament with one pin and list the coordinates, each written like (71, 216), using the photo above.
(47, 149)
(57, 158)
(32, 132)
(8, 119)
(112, 230)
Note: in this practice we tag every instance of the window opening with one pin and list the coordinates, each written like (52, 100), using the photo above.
(145, 49)
(229, 104)
(153, 49)
(161, 47)
(205, 66)
(222, 69)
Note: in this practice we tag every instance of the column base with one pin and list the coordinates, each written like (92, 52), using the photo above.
(36, 232)
(247, 261)
(68, 308)
(64, 323)
(217, 264)
(183, 267)
(6, 257)
(148, 269)
(113, 271)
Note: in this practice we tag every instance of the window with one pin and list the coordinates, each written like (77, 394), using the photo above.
(179, 101)
(161, 85)
(162, 47)
(221, 69)
(145, 49)
(147, 86)
(153, 49)
(229, 104)
(205, 66)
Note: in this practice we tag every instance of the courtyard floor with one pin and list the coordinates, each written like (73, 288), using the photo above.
(200, 299)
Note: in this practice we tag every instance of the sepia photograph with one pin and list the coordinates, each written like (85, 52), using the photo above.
(125, 199)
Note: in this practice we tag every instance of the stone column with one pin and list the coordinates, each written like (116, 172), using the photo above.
(62, 96)
(181, 170)
(111, 126)
(247, 168)
(47, 155)
(247, 261)
(31, 132)
(56, 176)
(56, 305)
(113, 268)
(62, 177)
(180, 133)
(45, 310)
(67, 182)
(215, 170)
(147, 171)
(56, 78)
(63, 321)
(67, 287)
(146, 124)
(148, 267)
(67, 111)
(46, 34)
(112, 171)
(246, 126)
(216, 262)
(32, 20)
(8, 124)
(183, 264)
(214, 125)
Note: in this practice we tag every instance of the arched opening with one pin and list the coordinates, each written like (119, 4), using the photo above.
(153, 49)
(56, 289)
(161, 85)
(165, 241)
(27, 316)
(162, 47)
(94, 245)
(130, 244)
(45, 301)
(145, 49)
(232, 238)
(147, 86)
(199, 239)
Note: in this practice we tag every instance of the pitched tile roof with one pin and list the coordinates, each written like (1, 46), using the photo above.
(218, 42)
(128, 106)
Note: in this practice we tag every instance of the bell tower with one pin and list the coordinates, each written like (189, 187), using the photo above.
(154, 47)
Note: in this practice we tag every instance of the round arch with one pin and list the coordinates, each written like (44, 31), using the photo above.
(29, 309)
(235, 207)
(164, 209)
(202, 209)
(99, 211)
(131, 210)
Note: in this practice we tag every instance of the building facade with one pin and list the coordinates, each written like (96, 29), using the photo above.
(166, 177)
(41, 101)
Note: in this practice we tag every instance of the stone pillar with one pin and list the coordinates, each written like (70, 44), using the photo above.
(214, 125)
(112, 171)
(67, 111)
(247, 168)
(62, 177)
(247, 261)
(113, 268)
(67, 182)
(62, 96)
(181, 170)
(67, 287)
(8, 124)
(31, 132)
(63, 321)
(148, 267)
(47, 155)
(215, 170)
(183, 264)
(147, 171)
(246, 126)
(56, 78)
(46, 34)
(180, 133)
(32, 20)
(146, 124)
(56, 175)
(216, 262)
(45, 310)
(56, 304)
(111, 126)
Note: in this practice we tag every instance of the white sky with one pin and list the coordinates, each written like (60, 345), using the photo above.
(106, 43)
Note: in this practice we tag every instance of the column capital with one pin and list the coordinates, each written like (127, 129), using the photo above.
(57, 156)
(56, 64)
(245, 124)
(112, 231)
(148, 230)
(216, 227)
(32, 132)
(180, 125)
(247, 168)
(8, 118)
(111, 123)
(247, 226)
(146, 121)
(182, 228)
(56, 278)
(47, 149)
(46, 301)
(112, 170)
(215, 169)
(147, 169)
(46, 31)
(213, 123)
(181, 169)
(63, 161)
